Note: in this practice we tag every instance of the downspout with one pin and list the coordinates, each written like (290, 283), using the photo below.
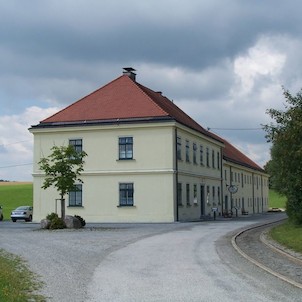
(253, 184)
(221, 174)
(231, 183)
(176, 175)
(262, 192)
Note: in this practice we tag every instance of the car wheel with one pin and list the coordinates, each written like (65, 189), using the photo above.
(14, 220)
(30, 218)
(1, 217)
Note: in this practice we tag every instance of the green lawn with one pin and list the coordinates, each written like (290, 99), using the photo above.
(286, 234)
(13, 195)
(276, 200)
(17, 283)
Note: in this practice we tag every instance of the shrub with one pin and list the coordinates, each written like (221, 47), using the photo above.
(55, 221)
(83, 222)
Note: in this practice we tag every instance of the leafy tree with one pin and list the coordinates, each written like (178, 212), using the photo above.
(286, 153)
(62, 169)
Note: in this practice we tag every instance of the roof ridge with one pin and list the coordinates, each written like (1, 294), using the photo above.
(139, 86)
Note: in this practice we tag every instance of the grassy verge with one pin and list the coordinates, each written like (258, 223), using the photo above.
(13, 195)
(288, 235)
(276, 200)
(17, 283)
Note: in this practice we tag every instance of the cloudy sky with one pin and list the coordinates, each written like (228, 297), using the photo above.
(223, 62)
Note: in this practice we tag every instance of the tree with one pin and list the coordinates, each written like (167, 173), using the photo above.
(62, 169)
(286, 153)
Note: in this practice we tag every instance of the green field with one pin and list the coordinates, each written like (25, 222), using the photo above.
(276, 200)
(13, 195)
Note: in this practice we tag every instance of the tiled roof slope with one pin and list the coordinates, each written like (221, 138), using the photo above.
(123, 98)
(230, 153)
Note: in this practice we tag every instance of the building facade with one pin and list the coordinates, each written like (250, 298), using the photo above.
(147, 161)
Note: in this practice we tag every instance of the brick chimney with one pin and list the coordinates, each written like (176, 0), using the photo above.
(129, 71)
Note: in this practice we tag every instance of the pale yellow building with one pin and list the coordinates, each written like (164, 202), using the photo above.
(147, 161)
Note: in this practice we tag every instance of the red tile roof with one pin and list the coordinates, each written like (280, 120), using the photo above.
(232, 154)
(124, 99)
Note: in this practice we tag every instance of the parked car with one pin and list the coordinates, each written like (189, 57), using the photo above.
(1, 213)
(22, 213)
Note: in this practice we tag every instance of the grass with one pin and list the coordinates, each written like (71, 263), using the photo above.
(276, 200)
(17, 283)
(288, 235)
(13, 195)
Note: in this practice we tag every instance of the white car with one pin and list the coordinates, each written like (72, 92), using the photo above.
(22, 213)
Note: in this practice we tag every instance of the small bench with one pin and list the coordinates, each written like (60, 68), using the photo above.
(243, 212)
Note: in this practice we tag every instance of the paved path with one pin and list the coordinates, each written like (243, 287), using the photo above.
(185, 265)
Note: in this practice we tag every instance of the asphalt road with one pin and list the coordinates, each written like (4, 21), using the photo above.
(145, 262)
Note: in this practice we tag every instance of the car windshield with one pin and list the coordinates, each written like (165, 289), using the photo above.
(22, 208)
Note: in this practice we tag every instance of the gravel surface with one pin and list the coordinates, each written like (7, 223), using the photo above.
(144, 262)
(249, 242)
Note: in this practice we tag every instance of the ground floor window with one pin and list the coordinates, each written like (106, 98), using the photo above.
(75, 196)
(179, 194)
(126, 194)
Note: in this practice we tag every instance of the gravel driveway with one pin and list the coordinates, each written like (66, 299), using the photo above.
(143, 262)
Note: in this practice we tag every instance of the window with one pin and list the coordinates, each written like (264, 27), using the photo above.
(188, 194)
(126, 194)
(218, 195)
(218, 160)
(225, 174)
(77, 144)
(125, 148)
(187, 151)
(213, 193)
(195, 193)
(201, 155)
(213, 158)
(75, 196)
(208, 194)
(208, 157)
(179, 194)
(178, 148)
(194, 153)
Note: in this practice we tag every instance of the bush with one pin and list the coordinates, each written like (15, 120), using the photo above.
(55, 222)
(83, 222)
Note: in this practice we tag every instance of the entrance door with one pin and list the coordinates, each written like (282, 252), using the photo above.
(202, 200)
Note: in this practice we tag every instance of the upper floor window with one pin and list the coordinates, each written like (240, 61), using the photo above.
(194, 153)
(126, 194)
(75, 196)
(178, 148)
(208, 157)
(213, 158)
(187, 151)
(77, 144)
(218, 160)
(126, 148)
(201, 154)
